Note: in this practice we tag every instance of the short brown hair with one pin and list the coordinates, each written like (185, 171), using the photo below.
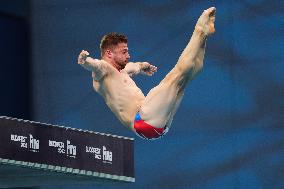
(110, 40)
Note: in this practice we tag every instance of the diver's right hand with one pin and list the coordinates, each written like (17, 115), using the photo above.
(82, 57)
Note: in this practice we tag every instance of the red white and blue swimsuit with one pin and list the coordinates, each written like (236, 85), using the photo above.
(147, 131)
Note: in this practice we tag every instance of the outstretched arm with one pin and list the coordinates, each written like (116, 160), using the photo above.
(97, 67)
(87, 62)
(140, 67)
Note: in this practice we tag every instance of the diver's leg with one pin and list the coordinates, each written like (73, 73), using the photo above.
(162, 101)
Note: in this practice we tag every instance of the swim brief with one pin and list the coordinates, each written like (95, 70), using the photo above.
(147, 131)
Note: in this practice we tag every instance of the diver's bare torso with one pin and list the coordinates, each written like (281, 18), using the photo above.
(120, 92)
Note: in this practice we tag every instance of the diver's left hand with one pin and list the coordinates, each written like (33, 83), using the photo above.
(147, 68)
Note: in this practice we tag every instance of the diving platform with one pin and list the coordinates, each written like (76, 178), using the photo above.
(35, 154)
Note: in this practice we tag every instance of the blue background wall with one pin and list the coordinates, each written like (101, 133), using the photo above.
(15, 95)
(229, 130)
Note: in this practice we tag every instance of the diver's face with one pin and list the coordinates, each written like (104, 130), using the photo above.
(120, 54)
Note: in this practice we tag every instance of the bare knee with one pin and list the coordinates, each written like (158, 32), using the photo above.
(177, 78)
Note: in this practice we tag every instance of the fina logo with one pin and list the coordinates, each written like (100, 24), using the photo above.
(107, 155)
(70, 149)
(32, 144)
(100, 153)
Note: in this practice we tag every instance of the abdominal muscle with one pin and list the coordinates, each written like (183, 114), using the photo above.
(122, 96)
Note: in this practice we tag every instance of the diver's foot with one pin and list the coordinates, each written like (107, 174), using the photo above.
(205, 23)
